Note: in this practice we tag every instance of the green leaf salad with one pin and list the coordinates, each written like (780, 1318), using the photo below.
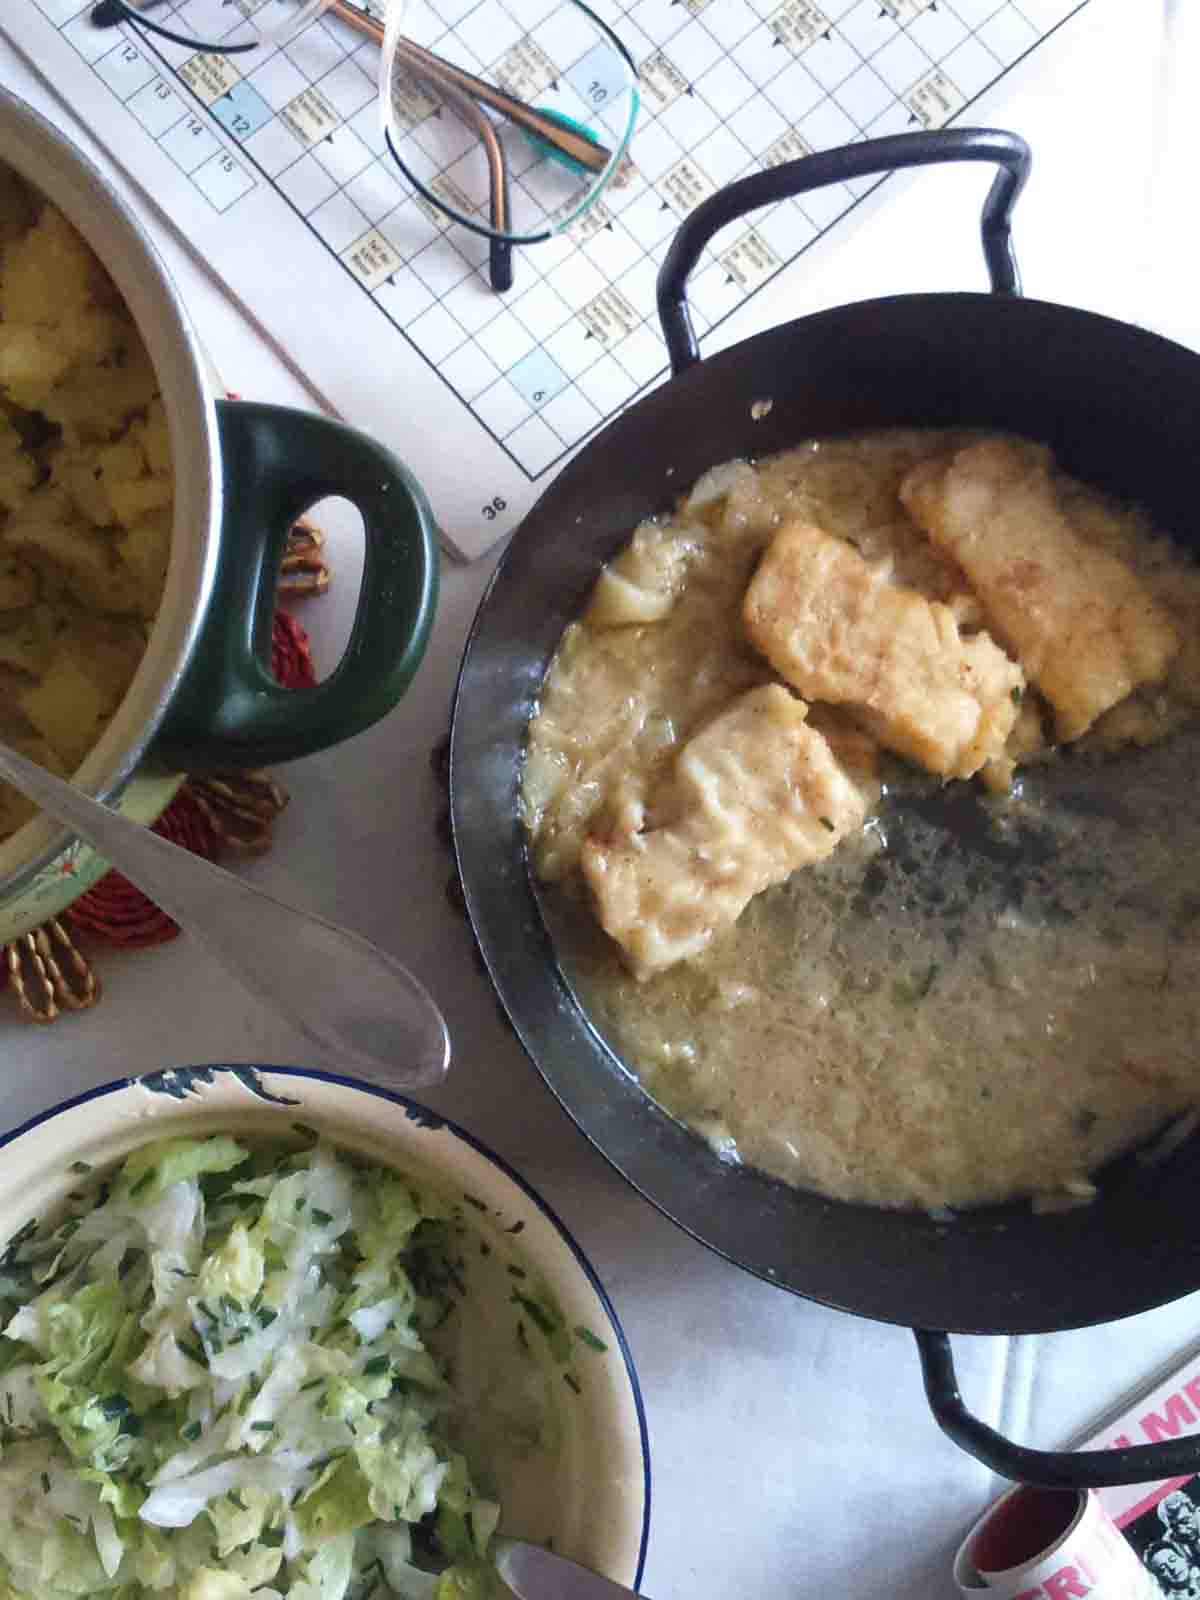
(214, 1383)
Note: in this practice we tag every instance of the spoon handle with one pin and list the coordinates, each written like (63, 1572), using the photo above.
(361, 1009)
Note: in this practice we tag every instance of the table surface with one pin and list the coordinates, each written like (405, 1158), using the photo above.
(792, 1451)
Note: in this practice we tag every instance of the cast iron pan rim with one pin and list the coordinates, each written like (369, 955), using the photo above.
(497, 934)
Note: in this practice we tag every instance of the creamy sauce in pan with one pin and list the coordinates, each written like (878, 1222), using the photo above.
(979, 996)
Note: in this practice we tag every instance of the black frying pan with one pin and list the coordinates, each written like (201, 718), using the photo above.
(1119, 408)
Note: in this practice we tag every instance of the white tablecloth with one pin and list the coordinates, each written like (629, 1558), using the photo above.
(792, 1451)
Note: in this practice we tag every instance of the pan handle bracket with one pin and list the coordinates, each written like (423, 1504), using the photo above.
(869, 158)
(1049, 1469)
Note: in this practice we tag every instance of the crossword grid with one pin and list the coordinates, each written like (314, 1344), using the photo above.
(728, 87)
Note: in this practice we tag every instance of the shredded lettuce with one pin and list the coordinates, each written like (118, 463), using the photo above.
(214, 1383)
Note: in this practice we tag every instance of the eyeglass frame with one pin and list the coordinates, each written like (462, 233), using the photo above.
(465, 91)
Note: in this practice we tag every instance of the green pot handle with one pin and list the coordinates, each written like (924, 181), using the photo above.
(228, 711)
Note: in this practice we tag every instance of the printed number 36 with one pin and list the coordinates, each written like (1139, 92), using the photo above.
(494, 507)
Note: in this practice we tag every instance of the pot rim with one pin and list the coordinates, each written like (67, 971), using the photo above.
(52, 164)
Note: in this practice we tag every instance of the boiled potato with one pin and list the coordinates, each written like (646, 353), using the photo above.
(86, 490)
(85, 558)
(19, 586)
(145, 549)
(83, 685)
(19, 472)
(15, 809)
(27, 641)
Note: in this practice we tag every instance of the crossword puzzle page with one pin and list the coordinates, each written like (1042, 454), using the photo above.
(274, 168)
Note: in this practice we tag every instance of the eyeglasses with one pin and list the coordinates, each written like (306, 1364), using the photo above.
(508, 116)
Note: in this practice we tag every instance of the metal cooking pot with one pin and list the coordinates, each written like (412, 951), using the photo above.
(1118, 407)
(203, 696)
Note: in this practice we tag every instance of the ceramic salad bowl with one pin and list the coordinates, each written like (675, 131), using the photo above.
(585, 1485)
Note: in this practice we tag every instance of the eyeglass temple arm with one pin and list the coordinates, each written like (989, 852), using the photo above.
(500, 265)
(577, 146)
(500, 268)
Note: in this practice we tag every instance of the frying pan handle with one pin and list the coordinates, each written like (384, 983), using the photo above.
(1049, 1469)
(1006, 150)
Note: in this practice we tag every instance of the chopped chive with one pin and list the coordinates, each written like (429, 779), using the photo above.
(827, 823)
(303, 1127)
(472, 1201)
(516, 1272)
(376, 1367)
(235, 1499)
(312, 1383)
(144, 1182)
(262, 1427)
(271, 1537)
(300, 1204)
(572, 1382)
(321, 1218)
(1017, 695)
(589, 1338)
(517, 1227)
(266, 1316)
(81, 1166)
(538, 1315)
(45, 1483)
(190, 1431)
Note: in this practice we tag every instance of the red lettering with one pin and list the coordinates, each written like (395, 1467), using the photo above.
(1064, 1583)
(1176, 1418)
(1031, 1594)
(1192, 1390)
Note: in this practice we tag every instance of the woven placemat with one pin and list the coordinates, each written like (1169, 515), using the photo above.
(46, 971)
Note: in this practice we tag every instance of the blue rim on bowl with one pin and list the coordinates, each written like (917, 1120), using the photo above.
(245, 1097)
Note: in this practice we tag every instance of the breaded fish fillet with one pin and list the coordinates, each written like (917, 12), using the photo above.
(1083, 626)
(839, 630)
(757, 794)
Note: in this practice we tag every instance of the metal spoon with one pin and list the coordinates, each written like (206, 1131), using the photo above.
(535, 1573)
(364, 1011)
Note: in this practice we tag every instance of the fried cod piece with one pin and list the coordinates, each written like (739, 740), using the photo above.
(1079, 620)
(757, 793)
(839, 630)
